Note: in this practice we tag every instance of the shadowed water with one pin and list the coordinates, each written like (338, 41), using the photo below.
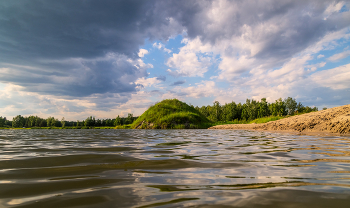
(172, 168)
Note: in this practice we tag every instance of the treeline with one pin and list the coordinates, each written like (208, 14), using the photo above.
(4, 122)
(35, 121)
(253, 109)
(249, 110)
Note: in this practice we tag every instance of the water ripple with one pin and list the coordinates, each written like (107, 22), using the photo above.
(172, 168)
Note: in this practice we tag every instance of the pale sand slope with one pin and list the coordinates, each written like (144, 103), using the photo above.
(333, 120)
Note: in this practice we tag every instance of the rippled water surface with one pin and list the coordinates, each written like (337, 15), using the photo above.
(172, 168)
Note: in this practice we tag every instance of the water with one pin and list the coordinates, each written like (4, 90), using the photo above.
(172, 168)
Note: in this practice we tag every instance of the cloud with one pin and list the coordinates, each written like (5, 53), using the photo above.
(161, 78)
(337, 78)
(80, 77)
(142, 52)
(188, 64)
(333, 8)
(178, 83)
(202, 89)
(172, 73)
(161, 46)
(191, 61)
(147, 82)
(320, 88)
(320, 56)
(337, 57)
(66, 47)
(249, 35)
(246, 34)
(15, 101)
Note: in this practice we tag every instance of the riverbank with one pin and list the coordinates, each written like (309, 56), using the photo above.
(334, 120)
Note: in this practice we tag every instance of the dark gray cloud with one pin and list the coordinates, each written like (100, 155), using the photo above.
(113, 73)
(63, 29)
(58, 47)
(178, 83)
(161, 78)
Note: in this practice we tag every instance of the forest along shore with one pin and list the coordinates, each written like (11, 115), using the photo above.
(333, 120)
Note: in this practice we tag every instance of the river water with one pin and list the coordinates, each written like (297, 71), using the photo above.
(172, 168)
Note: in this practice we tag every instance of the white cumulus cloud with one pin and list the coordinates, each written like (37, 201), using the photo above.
(142, 52)
(339, 56)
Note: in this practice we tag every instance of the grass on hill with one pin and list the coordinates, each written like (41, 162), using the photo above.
(266, 119)
(171, 114)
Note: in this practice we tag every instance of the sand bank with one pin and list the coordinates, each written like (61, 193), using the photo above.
(334, 120)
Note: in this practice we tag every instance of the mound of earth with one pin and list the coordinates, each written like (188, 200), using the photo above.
(170, 113)
(333, 120)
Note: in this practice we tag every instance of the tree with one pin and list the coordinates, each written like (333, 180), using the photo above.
(217, 110)
(204, 110)
(51, 122)
(98, 122)
(18, 121)
(118, 121)
(109, 122)
(291, 105)
(300, 108)
(280, 107)
(63, 122)
(263, 108)
(90, 121)
(2, 121)
(129, 119)
(38, 121)
(245, 114)
(231, 111)
(43, 123)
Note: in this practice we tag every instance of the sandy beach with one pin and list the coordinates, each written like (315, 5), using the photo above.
(334, 121)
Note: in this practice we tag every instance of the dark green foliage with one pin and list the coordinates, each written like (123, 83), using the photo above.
(2, 121)
(63, 122)
(263, 110)
(37, 122)
(307, 109)
(90, 121)
(252, 109)
(129, 119)
(18, 122)
(170, 113)
(291, 105)
(51, 122)
(98, 122)
(118, 121)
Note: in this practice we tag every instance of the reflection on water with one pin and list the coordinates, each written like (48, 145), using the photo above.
(172, 168)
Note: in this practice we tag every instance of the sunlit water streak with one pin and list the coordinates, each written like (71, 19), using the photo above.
(172, 168)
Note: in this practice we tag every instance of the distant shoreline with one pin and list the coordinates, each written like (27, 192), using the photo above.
(331, 121)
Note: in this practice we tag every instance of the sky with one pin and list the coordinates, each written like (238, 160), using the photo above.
(105, 58)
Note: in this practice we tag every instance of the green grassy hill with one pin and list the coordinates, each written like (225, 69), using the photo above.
(171, 113)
